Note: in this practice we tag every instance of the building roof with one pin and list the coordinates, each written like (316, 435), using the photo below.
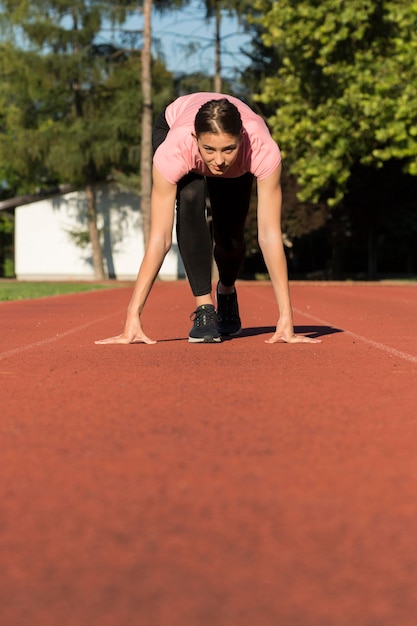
(12, 203)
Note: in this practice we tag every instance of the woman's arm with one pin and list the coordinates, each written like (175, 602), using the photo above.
(160, 238)
(270, 242)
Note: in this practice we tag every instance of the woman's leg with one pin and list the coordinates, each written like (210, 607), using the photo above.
(193, 234)
(195, 244)
(159, 131)
(230, 200)
(196, 249)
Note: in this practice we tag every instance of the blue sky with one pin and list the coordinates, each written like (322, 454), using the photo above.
(175, 30)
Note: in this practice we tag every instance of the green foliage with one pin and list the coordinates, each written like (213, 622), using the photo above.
(15, 290)
(230, 7)
(190, 83)
(6, 244)
(70, 107)
(345, 91)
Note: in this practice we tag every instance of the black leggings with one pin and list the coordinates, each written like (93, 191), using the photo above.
(229, 200)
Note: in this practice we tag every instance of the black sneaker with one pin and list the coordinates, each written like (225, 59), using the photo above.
(205, 327)
(228, 312)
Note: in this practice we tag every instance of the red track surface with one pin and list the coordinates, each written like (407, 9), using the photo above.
(240, 484)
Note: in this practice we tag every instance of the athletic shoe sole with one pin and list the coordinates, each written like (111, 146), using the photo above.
(205, 339)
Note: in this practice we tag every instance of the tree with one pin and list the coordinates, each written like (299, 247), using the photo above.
(64, 122)
(346, 88)
(147, 114)
(215, 9)
(342, 104)
(146, 143)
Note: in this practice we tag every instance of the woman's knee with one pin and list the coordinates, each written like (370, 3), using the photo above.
(191, 194)
(229, 246)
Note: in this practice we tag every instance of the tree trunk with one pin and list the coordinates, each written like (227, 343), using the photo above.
(90, 172)
(146, 141)
(217, 62)
(94, 234)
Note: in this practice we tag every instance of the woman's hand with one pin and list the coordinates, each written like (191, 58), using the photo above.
(133, 333)
(285, 332)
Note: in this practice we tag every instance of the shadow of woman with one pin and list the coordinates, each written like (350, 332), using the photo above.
(310, 331)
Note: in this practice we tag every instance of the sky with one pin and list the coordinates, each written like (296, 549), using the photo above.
(176, 29)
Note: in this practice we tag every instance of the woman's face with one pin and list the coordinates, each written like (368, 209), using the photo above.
(218, 151)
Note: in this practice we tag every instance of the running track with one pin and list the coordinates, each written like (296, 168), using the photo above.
(241, 484)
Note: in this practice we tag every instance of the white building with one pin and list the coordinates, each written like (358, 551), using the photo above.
(47, 234)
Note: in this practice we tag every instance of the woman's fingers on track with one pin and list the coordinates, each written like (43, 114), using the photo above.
(122, 339)
(304, 339)
(278, 337)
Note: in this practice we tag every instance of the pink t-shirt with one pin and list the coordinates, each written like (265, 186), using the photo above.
(178, 154)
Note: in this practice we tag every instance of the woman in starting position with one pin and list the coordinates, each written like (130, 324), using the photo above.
(209, 143)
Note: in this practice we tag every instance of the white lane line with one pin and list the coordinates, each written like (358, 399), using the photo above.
(43, 342)
(371, 342)
(375, 344)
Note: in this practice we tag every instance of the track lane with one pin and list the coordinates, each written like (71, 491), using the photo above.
(234, 484)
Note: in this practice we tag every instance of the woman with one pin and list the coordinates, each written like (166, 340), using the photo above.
(215, 143)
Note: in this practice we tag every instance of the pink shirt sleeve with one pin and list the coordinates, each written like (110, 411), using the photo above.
(265, 153)
(176, 156)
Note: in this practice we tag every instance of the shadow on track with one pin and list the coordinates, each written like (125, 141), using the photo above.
(309, 331)
(316, 331)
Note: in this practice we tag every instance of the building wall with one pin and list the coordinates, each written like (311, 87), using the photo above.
(46, 233)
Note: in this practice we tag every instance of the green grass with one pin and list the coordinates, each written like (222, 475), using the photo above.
(15, 290)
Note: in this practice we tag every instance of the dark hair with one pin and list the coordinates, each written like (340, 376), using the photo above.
(218, 116)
